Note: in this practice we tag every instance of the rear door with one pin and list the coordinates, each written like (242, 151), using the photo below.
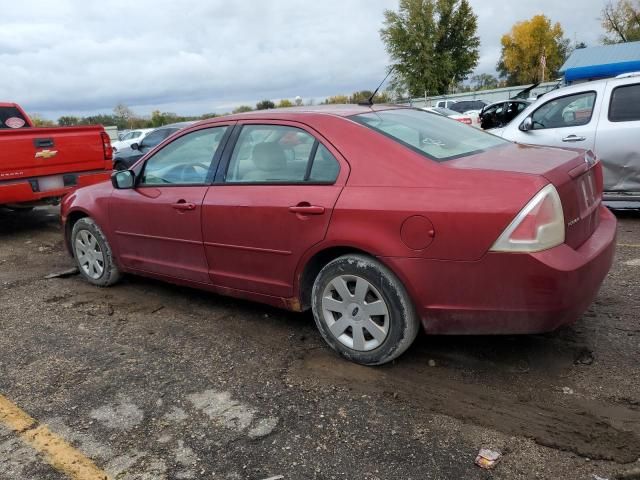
(271, 202)
(158, 224)
(616, 140)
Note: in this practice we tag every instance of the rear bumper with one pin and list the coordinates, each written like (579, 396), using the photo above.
(26, 191)
(510, 293)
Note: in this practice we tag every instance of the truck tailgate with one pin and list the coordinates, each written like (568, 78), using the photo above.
(48, 151)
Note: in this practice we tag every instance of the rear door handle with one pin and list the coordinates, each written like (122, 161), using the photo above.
(574, 138)
(184, 206)
(307, 210)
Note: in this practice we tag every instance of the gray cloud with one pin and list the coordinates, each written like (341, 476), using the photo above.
(195, 56)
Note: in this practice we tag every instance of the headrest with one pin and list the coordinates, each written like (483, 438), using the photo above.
(269, 156)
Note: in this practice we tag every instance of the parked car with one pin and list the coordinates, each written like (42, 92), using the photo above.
(462, 106)
(127, 156)
(445, 103)
(462, 118)
(500, 114)
(41, 165)
(379, 219)
(603, 116)
(132, 136)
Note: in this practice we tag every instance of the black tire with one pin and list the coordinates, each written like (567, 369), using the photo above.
(110, 273)
(119, 166)
(400, 320)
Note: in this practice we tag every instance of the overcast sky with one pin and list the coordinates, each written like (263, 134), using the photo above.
(197, 56)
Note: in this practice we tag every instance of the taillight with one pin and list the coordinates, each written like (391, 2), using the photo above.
(106, 146)
(465, 120)
(538, 226)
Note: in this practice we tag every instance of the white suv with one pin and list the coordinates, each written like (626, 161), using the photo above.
(602, 116)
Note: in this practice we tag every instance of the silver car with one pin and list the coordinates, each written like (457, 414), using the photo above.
(602, 116)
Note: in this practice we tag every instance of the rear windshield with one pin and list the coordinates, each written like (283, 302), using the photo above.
(434, 136)
(10, 117)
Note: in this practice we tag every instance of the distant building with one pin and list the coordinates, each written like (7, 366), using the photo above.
(607, 61)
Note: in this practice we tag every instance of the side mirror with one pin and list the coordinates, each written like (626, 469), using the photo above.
(526, 125)
(123, 179)
(135, 146)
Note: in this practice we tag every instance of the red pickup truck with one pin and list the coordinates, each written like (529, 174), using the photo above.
(41, 165)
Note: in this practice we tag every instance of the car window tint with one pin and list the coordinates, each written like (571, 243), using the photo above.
(625, 104)
(275, 154)
(570, 111)
(325, 167)
(10, 117)
(432, 135)
(184, 161)
(155, 138)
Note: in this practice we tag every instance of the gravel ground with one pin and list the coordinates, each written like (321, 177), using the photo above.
(153, 381)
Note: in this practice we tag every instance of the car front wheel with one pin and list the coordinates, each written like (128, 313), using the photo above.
(92, 253)
(363, 311)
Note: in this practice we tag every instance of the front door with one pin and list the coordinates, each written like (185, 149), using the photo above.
(158, 223)
(271, 202)
(569, 121)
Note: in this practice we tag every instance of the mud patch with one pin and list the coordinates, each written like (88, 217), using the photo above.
(587, 428)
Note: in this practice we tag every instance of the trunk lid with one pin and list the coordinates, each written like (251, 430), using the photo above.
(575, 174)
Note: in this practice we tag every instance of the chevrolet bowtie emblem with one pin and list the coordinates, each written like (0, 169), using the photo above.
(46, 154)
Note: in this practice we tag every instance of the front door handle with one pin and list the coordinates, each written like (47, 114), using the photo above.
(184, 206)
(306, 209)
(574, 138)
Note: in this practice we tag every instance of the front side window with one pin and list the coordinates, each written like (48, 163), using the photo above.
(185, 161)
(570, 111)
(433, 136)
(625, 104)
(280, 154)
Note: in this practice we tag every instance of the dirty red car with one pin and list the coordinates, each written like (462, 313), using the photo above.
(378, 219)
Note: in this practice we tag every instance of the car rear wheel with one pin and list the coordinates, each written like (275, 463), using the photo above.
(92, 253)
(363, 311)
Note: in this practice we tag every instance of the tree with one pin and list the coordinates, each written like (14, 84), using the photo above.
(432, 44)
(242, 109)
(39, 121)
(621, 21)
(336, 99)
(265, 105)
(123, 115)
(284, 103)
(532, 49)
(68, 121)
(484, 81)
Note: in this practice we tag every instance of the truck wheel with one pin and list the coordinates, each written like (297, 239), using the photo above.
(363, 311)
(92, 253)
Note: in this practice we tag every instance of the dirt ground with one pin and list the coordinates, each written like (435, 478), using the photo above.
(153, 381)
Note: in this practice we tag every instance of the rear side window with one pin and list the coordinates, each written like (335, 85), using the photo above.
(10, 117)
(625, 104)
(434, 136)
(267, 154)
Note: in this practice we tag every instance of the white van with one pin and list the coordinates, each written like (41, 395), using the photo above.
(602, 116)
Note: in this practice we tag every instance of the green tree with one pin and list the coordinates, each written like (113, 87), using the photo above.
(433, 44)
(242, 109)
(336, 99)
(39, 121)
(484, 81)
(265, 105)
(284, 103)
(68, 121)
(532, 49)
(621, 21)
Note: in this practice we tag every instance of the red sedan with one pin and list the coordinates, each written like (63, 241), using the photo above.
(378, 219)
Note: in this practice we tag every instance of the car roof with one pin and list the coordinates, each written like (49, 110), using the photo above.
(177, 125)
(304, 112)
